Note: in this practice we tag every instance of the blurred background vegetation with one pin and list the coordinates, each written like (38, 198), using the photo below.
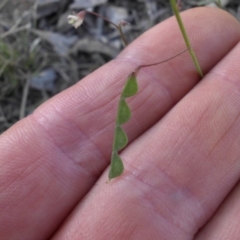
(41, 55)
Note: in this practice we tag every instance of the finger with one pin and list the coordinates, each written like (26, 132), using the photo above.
(51, 159)
(225, 222)
(177, 173)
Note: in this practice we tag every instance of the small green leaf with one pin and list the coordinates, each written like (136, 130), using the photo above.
(131, 87)
(124, 112)
(120, 137)
(116, 167)
(120, 140)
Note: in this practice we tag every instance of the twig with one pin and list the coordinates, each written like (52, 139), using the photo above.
(3, 4)
(24, 99)
(10, 32)
(2, 116)
(3, 67)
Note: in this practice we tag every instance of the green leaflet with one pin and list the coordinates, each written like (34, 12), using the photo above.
(120, 140)
(116, 168)
(124, 112)
(131, 87)
(120, 137)
(123, 115)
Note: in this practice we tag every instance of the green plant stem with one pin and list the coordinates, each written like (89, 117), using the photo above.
(218, 2)
(185, 36)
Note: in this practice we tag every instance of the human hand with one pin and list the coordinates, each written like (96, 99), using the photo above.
(182, 162)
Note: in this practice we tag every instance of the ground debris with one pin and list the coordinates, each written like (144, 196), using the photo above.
(89, 45)
(44, 81)
(47, 7)
(61, 44)
(115, 14)
(83, 4)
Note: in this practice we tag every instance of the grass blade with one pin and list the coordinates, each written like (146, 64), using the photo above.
(185, 36)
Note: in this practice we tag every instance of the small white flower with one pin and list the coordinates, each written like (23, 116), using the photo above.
(75, 20)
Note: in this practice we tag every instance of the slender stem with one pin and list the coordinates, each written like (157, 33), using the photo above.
(24, 99)
(185, 36)
(122, 36)
(166, 60)
(100, 16)
(179, 3)
(218, 2)
(119, 27)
